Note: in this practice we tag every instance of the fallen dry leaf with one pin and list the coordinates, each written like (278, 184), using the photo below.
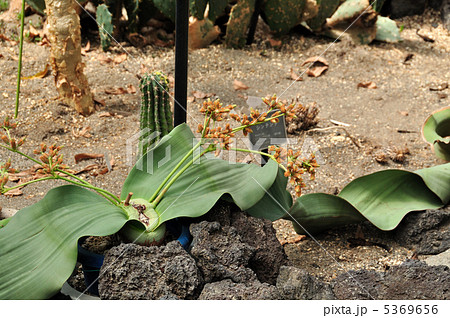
(40, 74)
(99, 101)
(120, 58)
(438, 87)
(103, 170)
(131, 89)
(408, 58)
(318, 66)
(116, 91)
(294, 240)
(86, 49)
(315, 59)
(106, 114)
(14, 193)
(104, 59)
(294, 76)
(191, 99)
(202, 95)
(316, 71)
(137, 40)
(83, 132)
(238, 85)
(87, 168)
(370, 85)
(275, 42)
(32, 33)
(86, 156)
(98, 168)
(424, 37)
(27, 179)
(4, 38)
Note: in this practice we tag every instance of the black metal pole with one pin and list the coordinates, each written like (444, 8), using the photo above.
(181, 61)
(264, 159)
(254, 22)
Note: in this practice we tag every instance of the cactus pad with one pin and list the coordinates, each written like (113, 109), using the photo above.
(105, 26)
(283, 15)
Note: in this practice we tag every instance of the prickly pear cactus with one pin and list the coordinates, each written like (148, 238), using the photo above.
(156, 116)
(216, 8)
(349, 10)
(132, 7)
(326, 10)
(197, 8)
(377, 5)
(238, 24)
(283, 15)
(167, 7)
(104, 20)
(387, 30)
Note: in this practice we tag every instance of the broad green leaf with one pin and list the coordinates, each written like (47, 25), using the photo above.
(436, 131)
(4, 222)
(202, 184)
(438, 180)
(317, 212)
(383, 198)
(275, 203)
(38, 247)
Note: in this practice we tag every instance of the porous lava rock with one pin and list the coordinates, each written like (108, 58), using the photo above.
(131, 271)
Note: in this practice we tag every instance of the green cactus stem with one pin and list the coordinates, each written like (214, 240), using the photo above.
(326, 10)
(378, 5)
(132, 7)
(348, 12)
(216, 9)
(239, 22)
(156, 117)
(283, 15)
(197, 8)
(387, 30)
(104, 20)
(167, 7)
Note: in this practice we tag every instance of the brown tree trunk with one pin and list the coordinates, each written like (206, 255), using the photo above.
(63, 26)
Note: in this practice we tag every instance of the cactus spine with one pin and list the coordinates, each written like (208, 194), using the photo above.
(156, 116)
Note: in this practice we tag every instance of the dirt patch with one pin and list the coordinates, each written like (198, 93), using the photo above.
(380, 120)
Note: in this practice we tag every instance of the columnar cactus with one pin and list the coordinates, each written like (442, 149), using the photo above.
(156, 116)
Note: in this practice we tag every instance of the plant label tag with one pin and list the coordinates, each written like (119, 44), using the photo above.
(268, 133)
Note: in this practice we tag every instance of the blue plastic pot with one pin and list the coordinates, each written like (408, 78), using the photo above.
(92, 262)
